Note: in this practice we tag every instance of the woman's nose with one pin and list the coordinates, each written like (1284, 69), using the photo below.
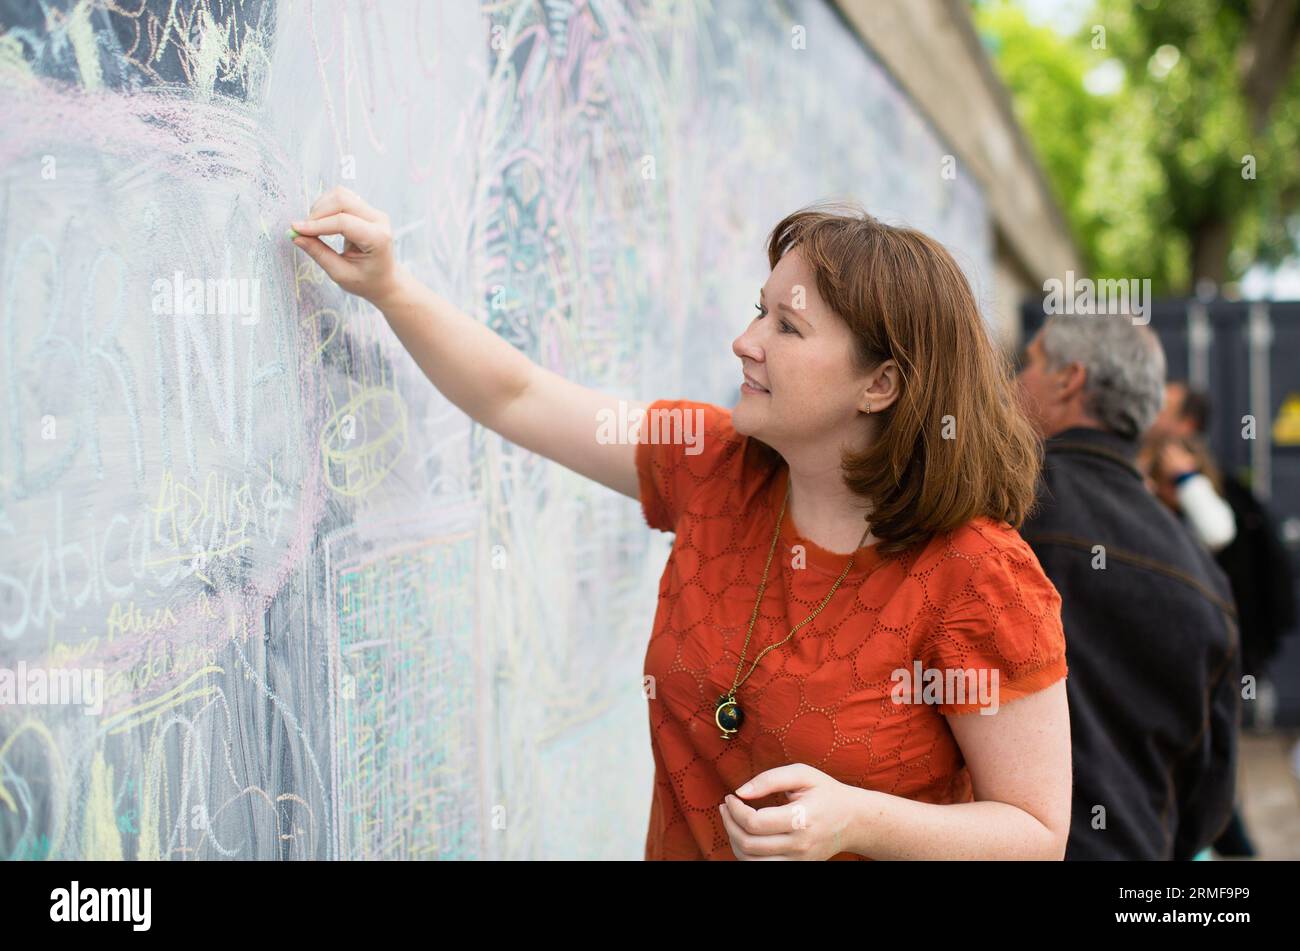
(747, 346)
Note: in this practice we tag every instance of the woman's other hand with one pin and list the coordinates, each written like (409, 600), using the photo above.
(818, 821)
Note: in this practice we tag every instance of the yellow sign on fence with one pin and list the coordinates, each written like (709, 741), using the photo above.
(1286, 428)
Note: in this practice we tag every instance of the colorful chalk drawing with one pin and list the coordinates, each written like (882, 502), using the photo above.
(335, 618)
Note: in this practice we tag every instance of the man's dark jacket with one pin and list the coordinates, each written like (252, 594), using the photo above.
(1151, 643)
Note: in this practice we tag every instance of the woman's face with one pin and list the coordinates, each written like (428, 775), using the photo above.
(800, 353)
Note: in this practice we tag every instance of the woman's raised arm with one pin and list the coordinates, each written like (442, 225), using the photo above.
(497, 385)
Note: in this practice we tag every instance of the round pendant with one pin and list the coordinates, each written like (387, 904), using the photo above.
(728, 716)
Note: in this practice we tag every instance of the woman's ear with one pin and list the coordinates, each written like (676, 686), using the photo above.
(882, 388)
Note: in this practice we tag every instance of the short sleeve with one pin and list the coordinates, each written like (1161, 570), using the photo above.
(681, 446)
(1000, 637)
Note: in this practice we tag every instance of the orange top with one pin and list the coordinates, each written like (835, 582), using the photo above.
(972, 598)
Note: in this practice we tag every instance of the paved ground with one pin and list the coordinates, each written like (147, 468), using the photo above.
(1269, 789)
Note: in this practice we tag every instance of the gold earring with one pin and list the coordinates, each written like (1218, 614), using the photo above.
(868, 409)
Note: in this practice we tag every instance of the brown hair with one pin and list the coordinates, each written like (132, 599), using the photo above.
(904, 298)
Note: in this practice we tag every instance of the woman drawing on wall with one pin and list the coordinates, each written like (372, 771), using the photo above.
(855, 655)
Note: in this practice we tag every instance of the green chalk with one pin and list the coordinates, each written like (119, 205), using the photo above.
(293, 234)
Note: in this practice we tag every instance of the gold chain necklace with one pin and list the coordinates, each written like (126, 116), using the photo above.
(728, 715)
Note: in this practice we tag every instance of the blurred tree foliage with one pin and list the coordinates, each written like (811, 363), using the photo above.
(1151, 121)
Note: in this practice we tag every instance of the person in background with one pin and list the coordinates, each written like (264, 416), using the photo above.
(1149, 621)
(1254, 559)
(1184, 477)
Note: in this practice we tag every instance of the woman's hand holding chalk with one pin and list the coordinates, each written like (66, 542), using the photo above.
(366, 267)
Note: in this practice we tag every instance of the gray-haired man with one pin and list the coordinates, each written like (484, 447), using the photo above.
(1150, 624)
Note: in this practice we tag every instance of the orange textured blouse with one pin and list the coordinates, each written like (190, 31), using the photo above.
(972, 598)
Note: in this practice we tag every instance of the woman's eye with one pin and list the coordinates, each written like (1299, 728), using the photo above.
(786, 327)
